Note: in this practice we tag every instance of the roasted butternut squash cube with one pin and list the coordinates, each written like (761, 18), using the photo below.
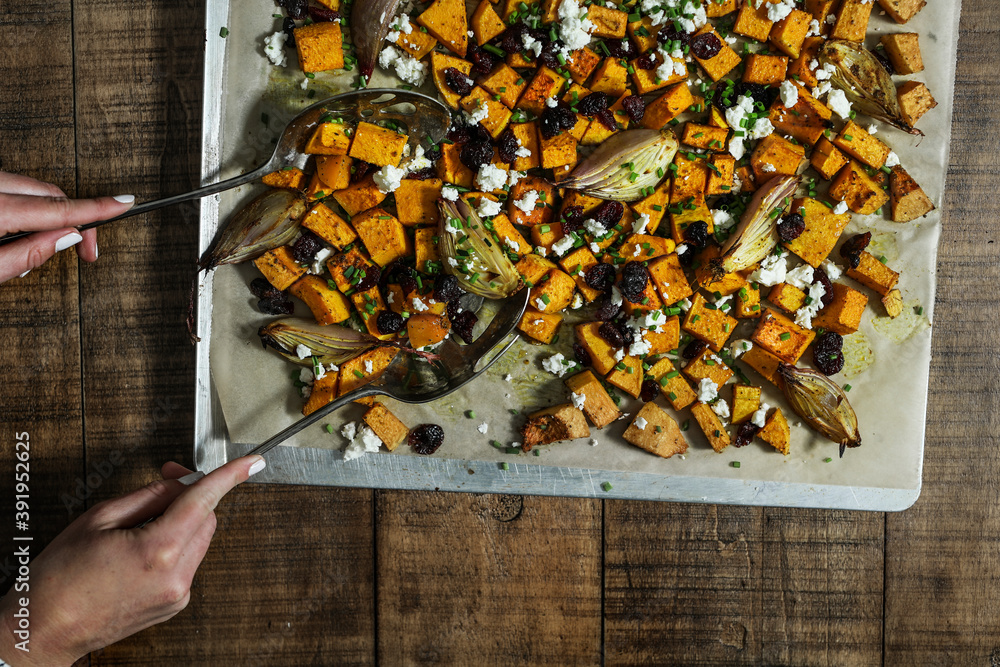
(290, 178)
(711, 325)
(858, 190)
(805, 121)
(320, 47)
(710, 424)
(765, 69)
(428, 259)
(527, 137)
(533, 267)
(597, 405)
(909, 201)
(558, 151)
(365, 368)
(752, 21)
(827, 159)
(610, 77)
(544, 84)
(541, 326)
(903, 49)
(324, 390)
(746, 401)
(690, 210)
(776, 156)
(383, 235)
(497, 115)
(902, 11)
(915, 100)
(348, 268)
(647, 302)
(704, 136)
(446, 20)
(424, 329)
(328, 139)
(673, 102)
(416, 43)
(787, 297)
(329, 226)
(672, 384)
(844, 314)
(509, 237)
(715, 8)
(644, 247)
(705, 277)
(821, 9)
(707, 365)
(668, 276)
(763, 362)
(541, 212)
(334, 171)
(823, 228)
(627, 375)
(789, 33)
(602, 357)
(653, 205)
(560, 422)
(486, 24)
(721, 168)
(690, 178)
(576, 264)
(554, 292)
(279, 267)
(852, 20)
(664, 74)
(776, 432)
(581, 63)
(723, 62)
(781, 336)
(643, 33)
(359, 196)
(377, 145)
(873, 274)
(328, 306)
(416, 201)
(665, 337)
(659, 434)
(316, 190)
(450, 168)
(439, 63)
(503, 83)
(856, 142)
(607, 22)
(387, 426)
(747, 302)
(370, 305)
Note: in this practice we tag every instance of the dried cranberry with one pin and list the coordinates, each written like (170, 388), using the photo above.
(634, 281)
(369, 277)
(791, 227)
(361, 169)
(853, 247)
(459, 134)
(507, 145)
(621, 48)
(567, 119)
(634, 107)
(672, 34)
(323, 15)
(288, 27)
(884, 61)
(693, 349)
(389, 322)
(511, 40)
(628, 335)
(581, 354)
(609, 214)
(819, 276)
(295, 8)
(608, 310)
(548, 124)
(426, 438)
(423, 174)
(745, 434)
(829, 364)
(550, 55)
(759, 92)
(463, 324)
(433, 153)
(306, 247)
(600, 276)
(447, 288)
(482, 60)
(696, 234)
(612, 334)
(685, 254)
(459, 82)
(264, 290)
(572, 219)
(705, 45)
(475, 154)
(650, 390)
(276, 306)
(593, 103)
(454, 308)
(607, 119)
(408, 283)
(647, 61)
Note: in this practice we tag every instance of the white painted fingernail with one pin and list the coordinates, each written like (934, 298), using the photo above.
(68, 241)
(125, 199)
(25, 273)
(188, 480)
(257, 467)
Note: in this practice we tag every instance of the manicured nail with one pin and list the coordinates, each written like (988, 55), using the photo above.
(68, 241)
(257, 466)
(25, 273)
(188, 480)
(125, 199)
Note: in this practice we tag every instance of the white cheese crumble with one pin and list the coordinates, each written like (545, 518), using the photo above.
(641, 423)
(771, 271)
(789, 94)
(419, 305)
(562, 245)
(574, 27)
(364, 442)
(892, 160)
(837, 101)
(527, 201)
(302, 351)
(491, 177)
(482, 428)
(349, 430)
(579, 400)
(539, 304)
(800, 276)
(319, 261)
(840, 208)
(388, 178)
(740, 347)
(274, 48)
(407, 68)
(708, 391)
(640, 223)
(488, 208)
(767, 168)
(721, 408)
(557, 365)
(760, 417)
(722, 220)
(450, 193)
(832, 270)
(805, 314)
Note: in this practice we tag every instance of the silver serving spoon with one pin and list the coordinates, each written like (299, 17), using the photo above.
(422, 116)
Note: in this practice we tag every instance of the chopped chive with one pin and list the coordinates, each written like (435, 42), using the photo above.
(606, 486)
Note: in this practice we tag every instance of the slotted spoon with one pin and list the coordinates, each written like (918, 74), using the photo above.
(422, 116)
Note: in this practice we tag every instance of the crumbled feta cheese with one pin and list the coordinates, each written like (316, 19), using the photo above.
(319, 261)
(640, 223)
(512, 244)
(388, 178)
(557, 364)
(531, 44)
(681, 249)
(641, 423)
(722, 220)
(562, 245)
(577, 302)
(739, 347)
(825, 72)
(551, 102)
(387, 57)
(399, 26)
(480, 113)
(450, 193)
(789, 94)
(302, 351)
(482, 428)
(832, 270)
(837, 101)
(306, 375)
(527, 201)
(779, 11)
(593, 442)
(419, 305)
(363, 443)
(684, 304)
(349, 430)
(574, 27)
(721, 408)
(488, 208)
(872, 129)
(541, 251)
(616, 296)
(640, 347)
(522, 151)
(800, 276)
(274, 48)
(760, 417)
(579, 400)
(514, 176)
(814, 30)
(892, 160)
(539, 304)
(491, 177)
(708, 391)
(767, 168)
(840, 208)
(771, 271)
(619, 355)
(805, 314)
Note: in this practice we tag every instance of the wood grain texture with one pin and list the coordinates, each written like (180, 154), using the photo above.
(942, 597)
(39, 314)
(496, 580)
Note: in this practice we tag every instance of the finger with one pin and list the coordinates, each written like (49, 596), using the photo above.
(30, 253)
(194, 551)
(17, 184)
(27, 213)
(174, 470)
(183, 518)
(132, 509)
(87, 250)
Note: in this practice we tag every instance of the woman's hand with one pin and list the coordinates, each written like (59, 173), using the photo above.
(102, 579)
(27, 205)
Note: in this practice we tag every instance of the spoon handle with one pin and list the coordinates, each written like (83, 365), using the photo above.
(146, 207)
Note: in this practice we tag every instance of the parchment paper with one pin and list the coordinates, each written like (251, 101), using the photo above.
(887, 360)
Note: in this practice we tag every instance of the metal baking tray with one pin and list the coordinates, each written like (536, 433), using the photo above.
(303, 465)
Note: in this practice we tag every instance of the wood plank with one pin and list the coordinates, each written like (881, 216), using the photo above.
(497, 579)
(289, 563)
(942, 601)
(39, 315)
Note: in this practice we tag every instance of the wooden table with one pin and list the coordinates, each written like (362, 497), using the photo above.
(103, 97)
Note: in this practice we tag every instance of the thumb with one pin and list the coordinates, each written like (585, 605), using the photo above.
(30, 253)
